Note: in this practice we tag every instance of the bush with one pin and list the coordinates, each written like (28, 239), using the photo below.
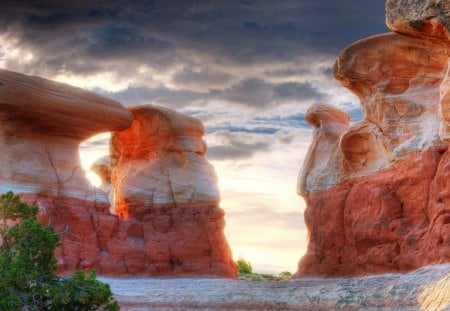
(285, 275)
(27, 267)
(243, 266)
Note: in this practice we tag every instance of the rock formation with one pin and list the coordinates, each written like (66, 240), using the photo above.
(166, 194)
(160, 160)
(388, 207)
(43, 123)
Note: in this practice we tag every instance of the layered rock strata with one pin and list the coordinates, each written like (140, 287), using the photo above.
(387, 208)
(43, 123)
(166, 198)
(160, 160)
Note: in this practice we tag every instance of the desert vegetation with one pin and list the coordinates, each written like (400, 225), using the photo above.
(245, 272)
(27, 266)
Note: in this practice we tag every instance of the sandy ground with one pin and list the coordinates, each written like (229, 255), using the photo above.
(425, 289)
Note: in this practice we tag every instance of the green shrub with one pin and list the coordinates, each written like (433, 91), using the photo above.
(27, 267)
(285, 275)
(81, 292)
(243, 266)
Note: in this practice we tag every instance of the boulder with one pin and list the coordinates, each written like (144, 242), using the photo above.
(429, 19)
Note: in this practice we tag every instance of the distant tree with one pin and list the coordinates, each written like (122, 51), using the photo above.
(285, 275)
(27, 267)
(243, 266)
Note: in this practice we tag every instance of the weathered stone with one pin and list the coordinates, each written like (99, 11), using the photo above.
(389, 208)
(321, 168)
(160, 160)
(424, 289)
(42, 125)
(397, 79)
(429, 19)
(170, 241)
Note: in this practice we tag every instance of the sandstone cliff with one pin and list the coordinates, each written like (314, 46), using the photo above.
(382, 204)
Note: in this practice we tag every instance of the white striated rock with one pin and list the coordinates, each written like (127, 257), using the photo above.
(42, 125)
(321, 168)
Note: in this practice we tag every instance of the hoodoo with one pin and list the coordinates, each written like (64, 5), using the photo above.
(42, 124)
(382, 204)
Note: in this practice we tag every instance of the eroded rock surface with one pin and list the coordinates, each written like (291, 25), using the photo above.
(425, 18)
(389, 210)
(169, 241)
(176, 230)
(424, 289)
(42, 125)
(321, 167)
(397, 79)
(160, 160)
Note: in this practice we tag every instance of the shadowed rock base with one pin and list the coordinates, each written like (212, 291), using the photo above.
(169, 241)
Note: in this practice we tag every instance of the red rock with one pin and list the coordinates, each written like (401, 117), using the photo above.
(43, 123)
(388, 208)
(388, 221)
(171, 241)
(397, 79)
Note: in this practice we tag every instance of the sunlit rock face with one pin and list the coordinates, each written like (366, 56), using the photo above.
(397, 79)
(160, 160)
(165, 195)
(389, 208)
(42, 124)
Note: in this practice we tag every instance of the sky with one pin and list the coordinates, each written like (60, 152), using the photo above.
(248, 69)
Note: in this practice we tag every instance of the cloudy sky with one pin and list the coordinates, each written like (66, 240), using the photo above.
(248, 69)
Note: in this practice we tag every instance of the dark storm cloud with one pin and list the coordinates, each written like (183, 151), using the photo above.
(235, 147)
(252, 93)
(259, 93)
(200, 78)
(241, 144)
(240, 32)
(158, 96)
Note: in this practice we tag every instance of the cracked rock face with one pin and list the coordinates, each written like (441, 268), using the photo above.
(387, 209)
